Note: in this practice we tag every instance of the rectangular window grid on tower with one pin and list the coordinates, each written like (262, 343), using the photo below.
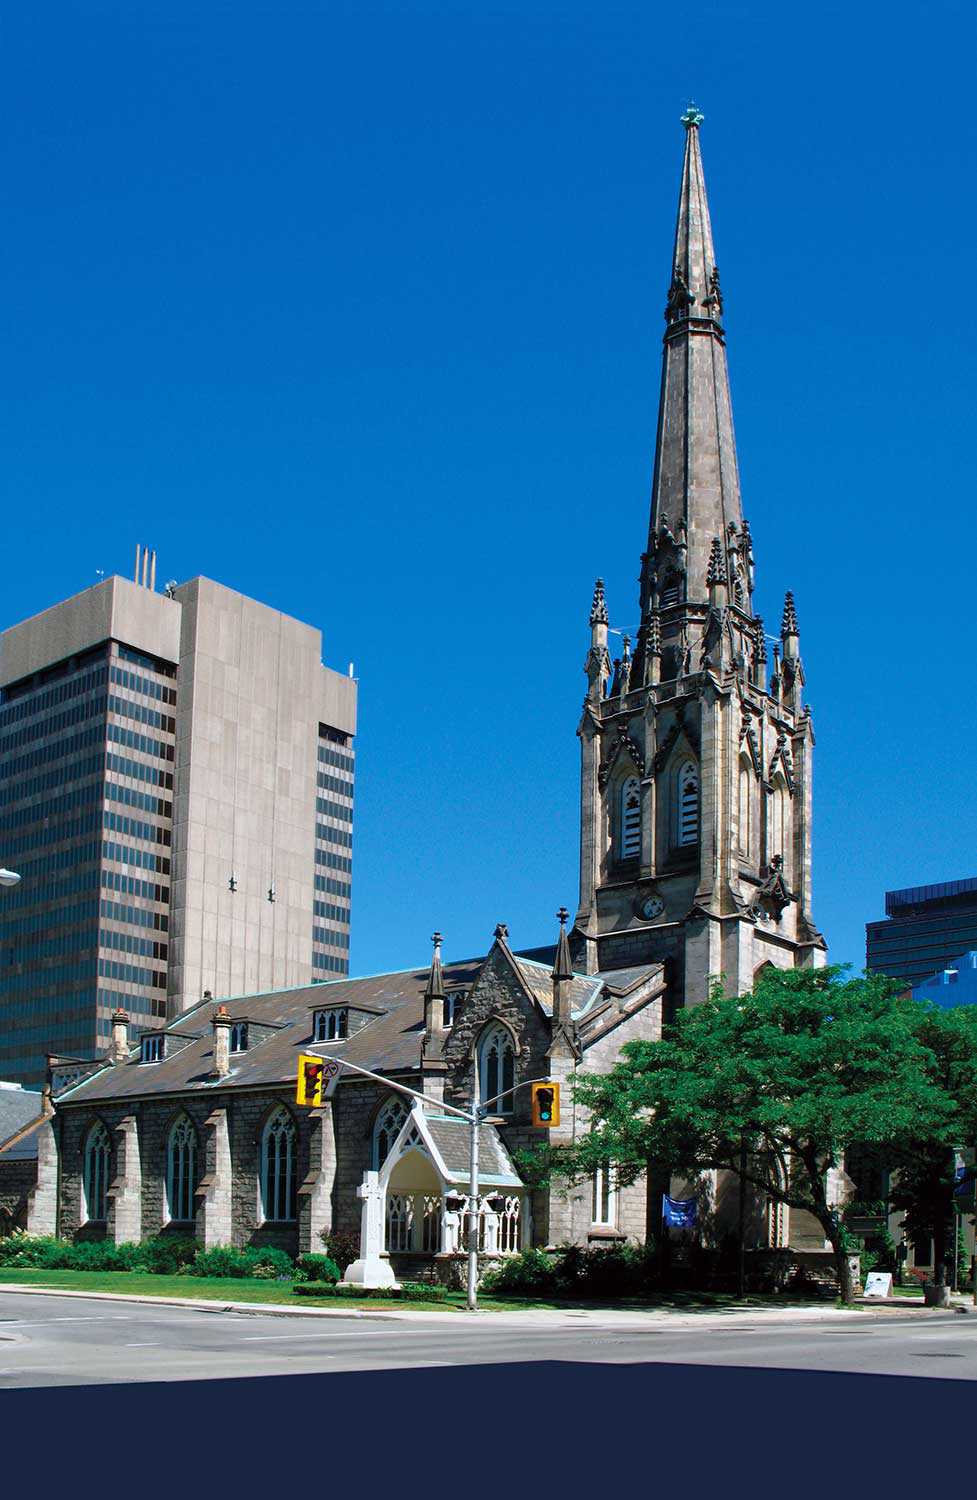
(333, 853)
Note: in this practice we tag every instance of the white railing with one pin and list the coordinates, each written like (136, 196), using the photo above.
(419, 1223)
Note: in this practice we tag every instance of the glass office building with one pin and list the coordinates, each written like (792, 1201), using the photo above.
(926, 927)
(176, 793)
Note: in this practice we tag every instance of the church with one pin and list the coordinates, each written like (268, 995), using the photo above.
(695, 863)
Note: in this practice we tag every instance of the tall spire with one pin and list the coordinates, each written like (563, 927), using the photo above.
(696, 490)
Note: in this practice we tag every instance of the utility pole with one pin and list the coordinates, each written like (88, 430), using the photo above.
(741, 1269)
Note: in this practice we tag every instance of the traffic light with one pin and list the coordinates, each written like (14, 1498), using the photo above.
(308, 1088)
(546, 1105)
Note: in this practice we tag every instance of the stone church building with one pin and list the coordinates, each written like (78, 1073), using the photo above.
(695, 862)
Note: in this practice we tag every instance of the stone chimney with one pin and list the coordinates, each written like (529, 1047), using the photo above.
(119, 1046)
(222, 1041)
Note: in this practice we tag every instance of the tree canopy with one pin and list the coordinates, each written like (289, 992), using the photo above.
(806, 1064)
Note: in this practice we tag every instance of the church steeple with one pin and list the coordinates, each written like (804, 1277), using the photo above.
(696, 488)
(695, 772)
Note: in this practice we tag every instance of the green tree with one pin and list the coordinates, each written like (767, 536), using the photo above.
(805, 1064)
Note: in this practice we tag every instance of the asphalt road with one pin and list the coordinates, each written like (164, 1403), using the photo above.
(53, 1341)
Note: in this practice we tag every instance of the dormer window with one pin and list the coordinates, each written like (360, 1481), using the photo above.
(330, 1025)
(451, 1003)
(239, 1036)
(153, 1047)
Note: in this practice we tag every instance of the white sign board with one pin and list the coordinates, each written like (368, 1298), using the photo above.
(878, 1284)
(330, 1077)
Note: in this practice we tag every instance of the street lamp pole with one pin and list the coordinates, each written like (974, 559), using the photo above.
(473, 1214)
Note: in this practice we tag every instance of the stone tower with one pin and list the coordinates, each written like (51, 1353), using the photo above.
(696, 768)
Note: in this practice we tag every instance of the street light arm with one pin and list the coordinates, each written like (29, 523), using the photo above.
(400, 1087)
(515, 1088)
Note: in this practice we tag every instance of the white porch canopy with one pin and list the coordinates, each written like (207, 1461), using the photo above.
(417, 1204)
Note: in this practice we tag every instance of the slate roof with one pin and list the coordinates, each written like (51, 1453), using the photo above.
(24, 1147)
(452, 1138)
(388, 1042)
(18, 1107)
(584, 989)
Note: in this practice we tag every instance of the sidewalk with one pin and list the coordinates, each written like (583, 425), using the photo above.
(605, 1317)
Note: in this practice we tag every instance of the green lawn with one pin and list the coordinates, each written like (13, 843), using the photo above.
(247, 1289)
(209, 1288)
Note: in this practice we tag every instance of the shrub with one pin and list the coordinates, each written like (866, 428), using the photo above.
(532, 1272)
(167, 1256)
(20, 1249)
(224, 1260)
(342, 1248)
(423, 1291)
(317, 1268)
(409, 1291)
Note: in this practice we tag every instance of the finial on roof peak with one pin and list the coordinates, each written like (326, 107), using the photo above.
(692, 116)
(562, 966)
(598, 609)
(435, 982)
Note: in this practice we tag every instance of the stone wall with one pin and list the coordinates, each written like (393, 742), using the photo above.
(17, 1179)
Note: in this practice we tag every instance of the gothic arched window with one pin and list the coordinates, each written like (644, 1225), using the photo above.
(496, 1068)
(746, 808)
(181, 1170)
(95, 1176)
(278, 1167)
(778, 824)
(386, 1128)
(629, 844)
(687, 787)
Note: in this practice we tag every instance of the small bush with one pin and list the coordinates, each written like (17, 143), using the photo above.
(267, 1264)
(530, 1273)
(423, 1291)
(317, 1268)
(342, 1248)
(409, 1291)
(20, 1249)
(167, 1256)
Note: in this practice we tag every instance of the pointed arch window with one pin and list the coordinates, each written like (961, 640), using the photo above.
(278, 1144)
(629, 845)
(95, 1176)
(497, 1068)
(688, 804)
(386, 1128)
(181, 1170)
(745, 807)
(778, 823)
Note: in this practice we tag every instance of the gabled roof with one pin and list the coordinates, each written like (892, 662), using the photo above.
(18, 1108)
(389, 1042)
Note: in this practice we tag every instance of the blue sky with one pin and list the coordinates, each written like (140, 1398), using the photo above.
(357, 309)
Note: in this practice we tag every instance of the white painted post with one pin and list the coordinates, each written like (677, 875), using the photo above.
(371, 1270)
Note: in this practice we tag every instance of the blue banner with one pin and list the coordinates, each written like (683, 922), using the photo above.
(679, 1213)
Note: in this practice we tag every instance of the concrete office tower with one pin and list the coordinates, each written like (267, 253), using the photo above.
(176, 791)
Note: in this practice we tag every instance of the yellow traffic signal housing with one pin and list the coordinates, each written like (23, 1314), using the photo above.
(546, 1105)
(308, 1089)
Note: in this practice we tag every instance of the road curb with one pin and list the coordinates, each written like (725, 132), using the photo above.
(204, 1304)
(628, 1321)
